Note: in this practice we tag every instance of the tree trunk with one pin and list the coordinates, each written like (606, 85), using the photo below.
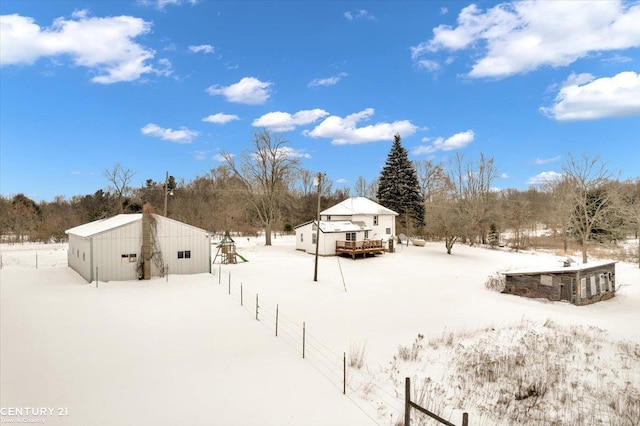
(267, 234)
(584, 250)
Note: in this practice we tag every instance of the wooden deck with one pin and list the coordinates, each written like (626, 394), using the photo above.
(364, 248)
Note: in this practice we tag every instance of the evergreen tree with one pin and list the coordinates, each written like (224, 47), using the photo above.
(399, 190)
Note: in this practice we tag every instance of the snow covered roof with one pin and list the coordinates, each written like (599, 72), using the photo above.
(102, 225)
(358, 205)
(559, 268)
(328, 226)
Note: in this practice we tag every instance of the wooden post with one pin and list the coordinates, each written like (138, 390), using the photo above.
(219, 273)
(166, 274)
(344, 373)
(241, 296)
(257, 306)
(277, 320)
(229, 282)
(304, 338)
(407, 402)
(465, 419)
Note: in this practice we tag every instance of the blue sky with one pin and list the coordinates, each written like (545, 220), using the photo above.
(167, 85)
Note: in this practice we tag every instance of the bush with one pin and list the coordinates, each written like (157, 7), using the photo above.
(495, 282)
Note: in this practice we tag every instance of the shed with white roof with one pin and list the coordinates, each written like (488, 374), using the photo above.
(112, 249)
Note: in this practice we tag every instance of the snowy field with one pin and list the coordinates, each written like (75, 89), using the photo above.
(183, 351)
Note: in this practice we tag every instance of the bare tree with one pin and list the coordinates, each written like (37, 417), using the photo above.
(120, 183)
(472, 183)
(444, 217)
(591, 197)
(360, 187)
(266, 173)
(431, 177)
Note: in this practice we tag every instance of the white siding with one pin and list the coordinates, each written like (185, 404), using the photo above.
(79, 256)
(108, 248)
(174, 237)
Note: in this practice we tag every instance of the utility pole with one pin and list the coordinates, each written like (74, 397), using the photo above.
(315, 271)
(166, 192)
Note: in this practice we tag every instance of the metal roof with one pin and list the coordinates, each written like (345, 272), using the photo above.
(103, 225)
(358, 205)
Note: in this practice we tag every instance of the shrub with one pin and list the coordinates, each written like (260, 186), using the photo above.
(495, 282)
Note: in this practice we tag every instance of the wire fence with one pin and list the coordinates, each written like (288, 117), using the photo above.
(359, 386)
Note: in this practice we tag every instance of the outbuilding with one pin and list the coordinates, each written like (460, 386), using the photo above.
(137, 246)
(580, 284)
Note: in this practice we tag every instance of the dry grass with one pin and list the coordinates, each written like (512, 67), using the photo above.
(530, 373)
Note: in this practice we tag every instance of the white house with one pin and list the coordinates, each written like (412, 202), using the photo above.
(354, 220)
(112, 248)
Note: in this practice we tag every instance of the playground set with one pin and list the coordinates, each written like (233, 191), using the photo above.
(227, 251)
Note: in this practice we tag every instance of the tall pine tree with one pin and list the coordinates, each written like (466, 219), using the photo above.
(399, 190)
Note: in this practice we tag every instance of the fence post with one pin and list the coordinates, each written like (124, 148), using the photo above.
(167, 275)
(257, 306)
(219, 273)
(277, 308)
(407, 402)
(304, 337)
(344, 373)
(229, 282)
(241, 296)
(465, 419)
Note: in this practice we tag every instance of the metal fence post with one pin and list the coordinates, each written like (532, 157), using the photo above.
(407, 401)
(465, 419)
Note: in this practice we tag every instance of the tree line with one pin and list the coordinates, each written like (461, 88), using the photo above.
(264, 189)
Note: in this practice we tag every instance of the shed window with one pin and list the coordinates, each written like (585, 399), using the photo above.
(546, 280)
(313, 239)
(133, 258)
(181, 255)
(583, 288)
(124, 258)
(594, 287)
(604, 285)
(187, 254)
(83, 259)
(302, 238)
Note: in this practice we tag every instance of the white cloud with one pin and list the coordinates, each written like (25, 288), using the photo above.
(521, 36)
(248, 90)
(591, 99)
(444, 11)
(428, 65)
(219, 158)
(541, 161)
(183, 135)
(161, 4)
(457, 141)
(329, 81)
(345, 130)
(104, 45)
(204, 48)
(544, 177)
(293, 153)
(220, 118)
(283, 121)
(359, 14)
(504, 176)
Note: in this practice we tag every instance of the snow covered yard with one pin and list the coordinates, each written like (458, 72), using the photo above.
(185, 352)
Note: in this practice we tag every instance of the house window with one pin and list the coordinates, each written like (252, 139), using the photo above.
(375, 220)
(351, 236)
(124, 258)
(83, 256)
(187, 254)
(313, 239)
(583, 288)
(302, 238)
(594, 287)
(388, 231)
(78, 253)
(133, 258)
(181, 255)
(366, 235)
